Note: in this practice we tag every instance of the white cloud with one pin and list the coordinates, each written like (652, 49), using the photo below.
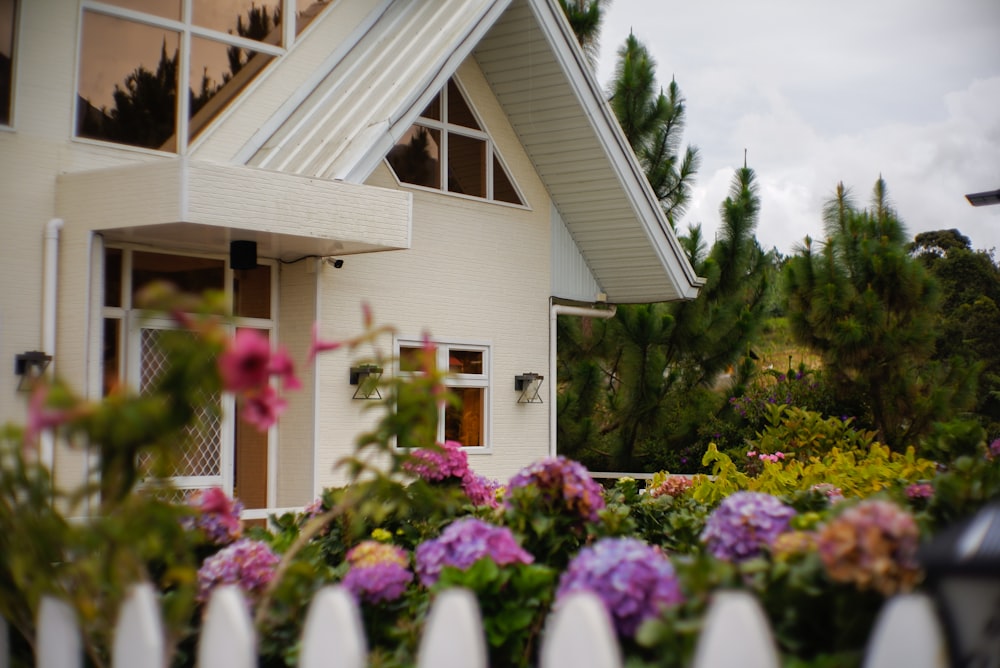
(818, 94)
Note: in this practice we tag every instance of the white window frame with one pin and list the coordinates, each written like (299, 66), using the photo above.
(443, 347)
(186, 28)
(446, 128)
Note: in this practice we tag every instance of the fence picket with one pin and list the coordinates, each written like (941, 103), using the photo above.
(907, 633)
(579, 634)
(58, 636)
(227, 635)
(334, 636)
(453, 636)
(139, 640)
(736, 633)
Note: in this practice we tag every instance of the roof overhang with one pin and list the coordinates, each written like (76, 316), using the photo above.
(201, 207)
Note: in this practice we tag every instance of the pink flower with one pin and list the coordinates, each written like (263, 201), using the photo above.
(263, 408)
(246, 362)
(42, 416)
(752, 453)
(318, 345)
(281, 366)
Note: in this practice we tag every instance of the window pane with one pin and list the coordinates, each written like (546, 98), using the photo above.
(459, 112)
(464, 423)
(465, 361)
(113, 277)
(111, 355)
(252, 292)
(218, 73)
(168, 9)
(189, 274)
(410, 359)
(415, 157)
(503, 189)
(306, 11)
(433, 109)
(7, 23)
(252, 19)
(128, 83)
(466, 165)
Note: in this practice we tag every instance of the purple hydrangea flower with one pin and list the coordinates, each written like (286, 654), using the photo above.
(446, 461)
(481, 490)
(744, 524)
(218, 516)
(247, 563)
(635, 581)
(564, 484)
(378, 572)
(463, 543)
(993, 451)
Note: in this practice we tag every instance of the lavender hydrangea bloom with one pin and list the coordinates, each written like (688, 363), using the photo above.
(744, 524)
(481, 490)
(463, 543)
(218, 516)
(563, 483)
(247, 563)
(378, 572)
(635, 581)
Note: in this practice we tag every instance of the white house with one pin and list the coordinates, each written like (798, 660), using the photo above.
(451, 163)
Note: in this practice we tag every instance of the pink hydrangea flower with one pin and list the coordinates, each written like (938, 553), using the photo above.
(250, 564)
(218, 516)
(447, 460)
(565, 485)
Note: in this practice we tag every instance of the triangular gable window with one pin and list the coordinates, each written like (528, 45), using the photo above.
(447, 149)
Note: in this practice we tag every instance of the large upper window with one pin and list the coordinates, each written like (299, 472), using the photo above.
(447, 149)
(135, 55)
(468, 377)
(8, 18)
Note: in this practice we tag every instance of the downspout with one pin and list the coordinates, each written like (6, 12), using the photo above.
(49, 311)
(555, 310)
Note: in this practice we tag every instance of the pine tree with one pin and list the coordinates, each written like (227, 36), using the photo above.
(868, 308)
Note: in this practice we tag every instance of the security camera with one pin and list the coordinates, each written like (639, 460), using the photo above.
(336, 264)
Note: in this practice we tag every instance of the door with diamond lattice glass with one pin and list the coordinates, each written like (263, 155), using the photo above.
(203, 459)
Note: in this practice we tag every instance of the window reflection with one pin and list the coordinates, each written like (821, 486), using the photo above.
(466, 165)
(128, 82)
(415, 157)
(130, 66)
(213, 84)
(252, 19)
(7, 23)
(448, 131)
(168, 9)
(464, 422)
(194, 275)
(465, 361)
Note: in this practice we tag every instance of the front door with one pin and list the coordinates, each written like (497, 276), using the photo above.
(224, 451)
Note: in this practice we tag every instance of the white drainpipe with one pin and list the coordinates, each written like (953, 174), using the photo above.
(556, 310)
(49, 310)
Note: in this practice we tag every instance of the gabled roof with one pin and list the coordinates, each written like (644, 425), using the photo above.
(342, 121)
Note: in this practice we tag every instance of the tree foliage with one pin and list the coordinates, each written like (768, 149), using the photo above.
(868, 308)
(585, 18)
(969, 318)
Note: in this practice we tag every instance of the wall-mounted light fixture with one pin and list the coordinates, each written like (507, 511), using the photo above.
(366, 377)
(30, 366)
(528, 384)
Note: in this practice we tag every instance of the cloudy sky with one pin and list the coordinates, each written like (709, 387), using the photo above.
(820, 93)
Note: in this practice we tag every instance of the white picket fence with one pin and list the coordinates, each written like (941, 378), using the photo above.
(577, 635)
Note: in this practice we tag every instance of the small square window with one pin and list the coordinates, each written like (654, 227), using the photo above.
(467, 377)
